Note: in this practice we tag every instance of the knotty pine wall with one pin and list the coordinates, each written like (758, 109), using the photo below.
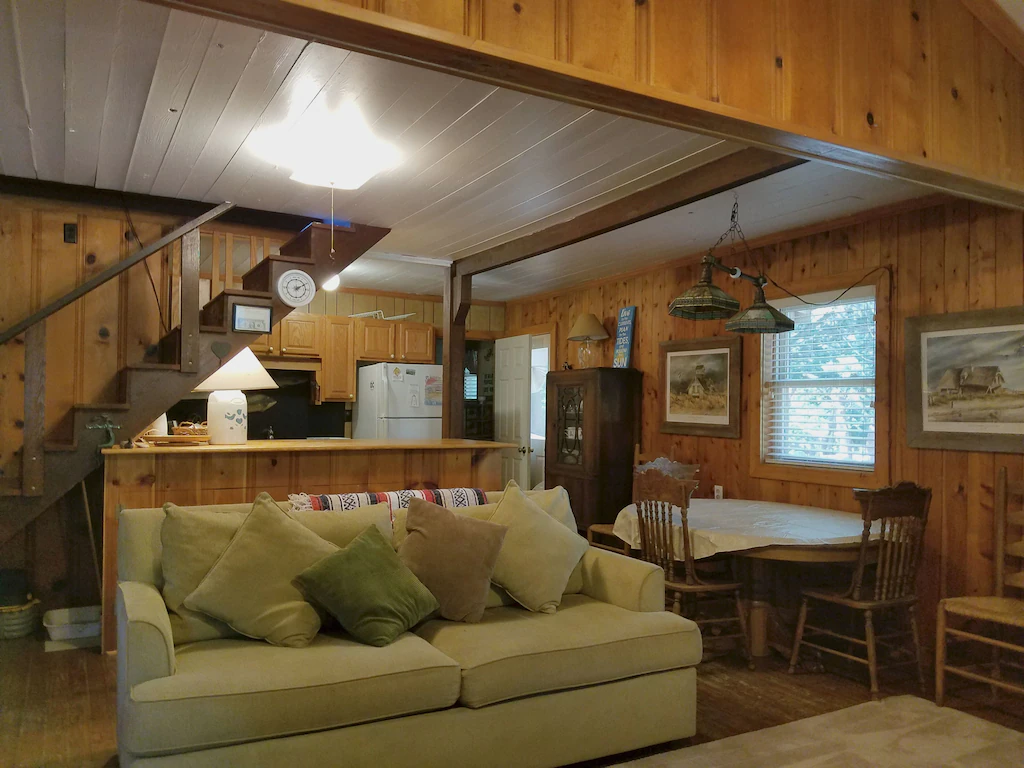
(951, 257)
(87, 344)
(917, 78)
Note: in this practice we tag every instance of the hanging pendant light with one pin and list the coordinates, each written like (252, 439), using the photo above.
(705, 300)
(760, 317)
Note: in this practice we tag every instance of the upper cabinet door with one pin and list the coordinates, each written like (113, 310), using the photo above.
(339, 356)
(300, 335)
(375, 339)
(416, 342)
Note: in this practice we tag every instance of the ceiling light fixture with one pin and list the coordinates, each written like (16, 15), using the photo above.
(327, 149)
(332, 283)
(706, 301)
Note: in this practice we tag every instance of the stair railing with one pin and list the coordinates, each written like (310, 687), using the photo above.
(34, 328)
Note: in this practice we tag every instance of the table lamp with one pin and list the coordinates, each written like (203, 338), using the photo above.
(227, 416)
(587, 328)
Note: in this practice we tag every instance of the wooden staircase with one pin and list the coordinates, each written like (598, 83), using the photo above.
(186, 356)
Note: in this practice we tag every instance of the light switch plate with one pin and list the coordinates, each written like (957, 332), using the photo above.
(719, 493)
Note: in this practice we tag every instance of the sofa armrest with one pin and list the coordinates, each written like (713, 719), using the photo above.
(623, 581)
(145, 647)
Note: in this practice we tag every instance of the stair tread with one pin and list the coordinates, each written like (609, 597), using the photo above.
(244, 292)
(147, 366)
(58, 445)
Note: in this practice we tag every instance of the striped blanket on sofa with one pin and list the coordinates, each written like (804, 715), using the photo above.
(444, 497)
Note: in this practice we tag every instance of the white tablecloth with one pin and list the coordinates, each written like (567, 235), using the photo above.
(734, 525)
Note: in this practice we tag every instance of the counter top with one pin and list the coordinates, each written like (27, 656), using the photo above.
(271, 446)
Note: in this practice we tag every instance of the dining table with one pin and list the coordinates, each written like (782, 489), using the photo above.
(758, 532)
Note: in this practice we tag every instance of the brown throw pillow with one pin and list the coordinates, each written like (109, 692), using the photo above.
(454, 556)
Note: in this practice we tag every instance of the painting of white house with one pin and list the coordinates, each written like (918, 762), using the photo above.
(973, 380)
(698, 386)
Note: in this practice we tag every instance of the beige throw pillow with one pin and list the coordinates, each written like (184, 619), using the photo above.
(192, 538)
(454, 556)
(250, 587)
(539, 554)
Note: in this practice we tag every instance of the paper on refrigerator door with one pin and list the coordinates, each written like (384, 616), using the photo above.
(415, 397)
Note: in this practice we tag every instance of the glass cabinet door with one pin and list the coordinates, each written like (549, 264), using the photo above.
(569, 425)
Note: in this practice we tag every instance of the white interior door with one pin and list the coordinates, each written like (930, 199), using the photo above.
(512, 407)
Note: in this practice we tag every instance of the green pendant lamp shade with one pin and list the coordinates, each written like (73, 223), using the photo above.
(760, 317)
(705, 300)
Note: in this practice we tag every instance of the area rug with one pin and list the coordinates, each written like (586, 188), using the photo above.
(897, 732)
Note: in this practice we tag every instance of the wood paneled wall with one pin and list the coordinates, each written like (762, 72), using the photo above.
(88, 343)
(917, 80)
(953, 257)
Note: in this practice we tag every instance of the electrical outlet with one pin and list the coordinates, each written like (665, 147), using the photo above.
(719, 494)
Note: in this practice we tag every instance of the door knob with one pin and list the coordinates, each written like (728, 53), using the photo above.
(522, 449)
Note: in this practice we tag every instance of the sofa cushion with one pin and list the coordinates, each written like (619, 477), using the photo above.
(454, 556)
(230, 691)
(539, 554)
(250, 586)
(368, 589)
(513, 653)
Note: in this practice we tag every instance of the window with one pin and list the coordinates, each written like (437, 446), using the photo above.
(818, 384)
(469, 385)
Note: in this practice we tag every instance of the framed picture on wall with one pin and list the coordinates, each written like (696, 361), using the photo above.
(700, 386)
(965, 381)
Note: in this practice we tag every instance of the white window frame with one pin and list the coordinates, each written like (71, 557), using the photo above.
(821, 289)
(856, 295)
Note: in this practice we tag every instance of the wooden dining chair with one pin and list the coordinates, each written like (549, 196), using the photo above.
(599, 533)
(1004, 608)
(657, 487)
(898, 516)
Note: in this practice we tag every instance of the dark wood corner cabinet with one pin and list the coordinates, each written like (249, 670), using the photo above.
(593, 424)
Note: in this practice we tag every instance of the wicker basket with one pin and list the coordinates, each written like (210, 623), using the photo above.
(19, 620)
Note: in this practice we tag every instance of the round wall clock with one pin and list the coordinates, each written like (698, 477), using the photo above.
(296, 288)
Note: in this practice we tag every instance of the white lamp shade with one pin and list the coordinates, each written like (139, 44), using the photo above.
(243, 371)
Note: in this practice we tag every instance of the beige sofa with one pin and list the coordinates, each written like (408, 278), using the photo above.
(611, 671)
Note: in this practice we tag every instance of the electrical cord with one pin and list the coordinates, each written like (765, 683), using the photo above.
(149, 273)
(788, 292)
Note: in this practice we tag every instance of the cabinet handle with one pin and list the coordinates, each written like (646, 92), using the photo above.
(271, 349)
(392, 357)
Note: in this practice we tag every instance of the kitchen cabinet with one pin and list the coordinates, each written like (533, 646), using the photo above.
(339, 359)
(300, 335)
(375, 339)
(416, 342)
(268, 343)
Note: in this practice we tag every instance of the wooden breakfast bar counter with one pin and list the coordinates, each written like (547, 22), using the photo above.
(225, 474)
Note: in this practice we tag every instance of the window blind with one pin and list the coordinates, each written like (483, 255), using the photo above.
(818, 385)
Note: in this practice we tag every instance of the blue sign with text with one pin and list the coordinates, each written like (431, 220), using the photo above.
(624, 337)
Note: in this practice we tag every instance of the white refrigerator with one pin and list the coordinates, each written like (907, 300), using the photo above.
(398, 402)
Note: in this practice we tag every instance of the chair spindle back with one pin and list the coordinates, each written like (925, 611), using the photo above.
(657, 487)
(1009, 535)
(900, 513)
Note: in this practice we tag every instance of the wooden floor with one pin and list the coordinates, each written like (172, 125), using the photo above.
(57, 709)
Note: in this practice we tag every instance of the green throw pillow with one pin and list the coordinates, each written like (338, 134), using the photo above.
(368, 589)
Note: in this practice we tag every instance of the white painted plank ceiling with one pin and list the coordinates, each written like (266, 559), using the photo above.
(126, 95)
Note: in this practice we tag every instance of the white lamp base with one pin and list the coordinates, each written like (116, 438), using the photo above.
(227, 417)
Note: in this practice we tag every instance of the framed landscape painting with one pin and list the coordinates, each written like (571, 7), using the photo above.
(965, 381)
(700, 386)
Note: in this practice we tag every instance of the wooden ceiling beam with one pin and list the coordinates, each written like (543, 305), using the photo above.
(718, 176)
